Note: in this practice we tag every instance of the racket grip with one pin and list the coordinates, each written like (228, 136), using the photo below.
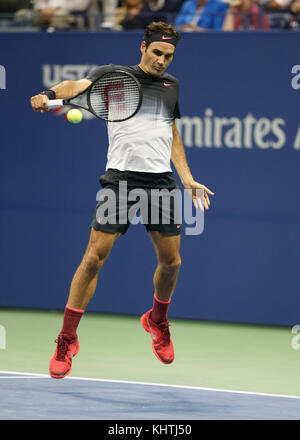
(53, 103)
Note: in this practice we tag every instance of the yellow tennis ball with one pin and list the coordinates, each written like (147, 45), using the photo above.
(74, 116)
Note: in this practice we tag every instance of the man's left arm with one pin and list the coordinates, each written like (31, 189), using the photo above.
(179, 160)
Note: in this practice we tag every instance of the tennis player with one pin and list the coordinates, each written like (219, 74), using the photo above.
(139, 153)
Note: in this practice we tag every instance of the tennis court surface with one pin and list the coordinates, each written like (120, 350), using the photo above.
(221, 371)
(34, 397)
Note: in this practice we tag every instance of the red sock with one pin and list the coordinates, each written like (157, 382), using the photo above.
(71, 321)
(159, 310)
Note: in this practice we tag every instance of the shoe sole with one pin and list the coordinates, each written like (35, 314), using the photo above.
(145, 324)
(62, 375)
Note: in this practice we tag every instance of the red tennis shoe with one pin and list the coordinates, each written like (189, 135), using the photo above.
(61, 362)
(162, 344)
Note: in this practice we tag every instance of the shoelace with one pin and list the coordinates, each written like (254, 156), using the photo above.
(62, 348)
(165, 334)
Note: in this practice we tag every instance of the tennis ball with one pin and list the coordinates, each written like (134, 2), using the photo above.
(74, 116)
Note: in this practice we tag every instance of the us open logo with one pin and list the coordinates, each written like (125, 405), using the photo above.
(2, 78)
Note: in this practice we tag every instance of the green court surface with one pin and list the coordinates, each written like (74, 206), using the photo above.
(225, 356)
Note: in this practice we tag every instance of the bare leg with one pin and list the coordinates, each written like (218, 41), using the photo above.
(166, 274)
(82, 289)
(155, 321)
(84, 282)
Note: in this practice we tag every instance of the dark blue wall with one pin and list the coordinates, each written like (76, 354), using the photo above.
(245, 266)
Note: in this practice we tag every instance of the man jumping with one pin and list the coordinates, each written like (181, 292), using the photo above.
(139, 153)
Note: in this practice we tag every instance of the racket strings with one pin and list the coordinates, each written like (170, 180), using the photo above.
(115, 96)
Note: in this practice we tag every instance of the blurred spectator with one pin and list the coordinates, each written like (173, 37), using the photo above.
(108, 9)
(201, 15)
(62, 14)
(160, 10)
(283, 13)
(295, 7)
(277, 4)
(11, 6)
(245, 15)
(128, 14)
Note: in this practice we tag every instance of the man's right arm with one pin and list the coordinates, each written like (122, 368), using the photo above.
(63, 90)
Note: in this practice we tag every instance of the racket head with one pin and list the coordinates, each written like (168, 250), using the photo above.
(115, 96)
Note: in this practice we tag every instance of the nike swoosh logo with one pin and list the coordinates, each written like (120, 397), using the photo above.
(152, 334)
(167, 84)
(166, 38)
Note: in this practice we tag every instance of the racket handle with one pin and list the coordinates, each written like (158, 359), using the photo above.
(53, 103)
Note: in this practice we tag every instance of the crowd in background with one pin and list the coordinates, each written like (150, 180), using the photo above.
(186, 15)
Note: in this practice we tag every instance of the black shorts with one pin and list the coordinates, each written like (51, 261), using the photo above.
(130, 198)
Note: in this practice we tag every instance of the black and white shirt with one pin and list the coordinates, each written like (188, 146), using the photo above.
(143, 143)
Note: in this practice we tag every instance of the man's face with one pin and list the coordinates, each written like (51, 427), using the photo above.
(156, 57)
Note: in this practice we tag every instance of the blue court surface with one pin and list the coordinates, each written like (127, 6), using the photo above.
(38, 397)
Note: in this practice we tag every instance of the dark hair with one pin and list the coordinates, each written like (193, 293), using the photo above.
(160, 26)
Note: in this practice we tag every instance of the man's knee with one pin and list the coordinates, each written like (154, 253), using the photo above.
(171, 263)
(91, 264)
(99, 247)
(94, 260)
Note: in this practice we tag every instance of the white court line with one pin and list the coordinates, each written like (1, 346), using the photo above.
(21, 377)
(187, 387)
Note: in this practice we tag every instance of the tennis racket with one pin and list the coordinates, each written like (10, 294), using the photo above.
(115, 96)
